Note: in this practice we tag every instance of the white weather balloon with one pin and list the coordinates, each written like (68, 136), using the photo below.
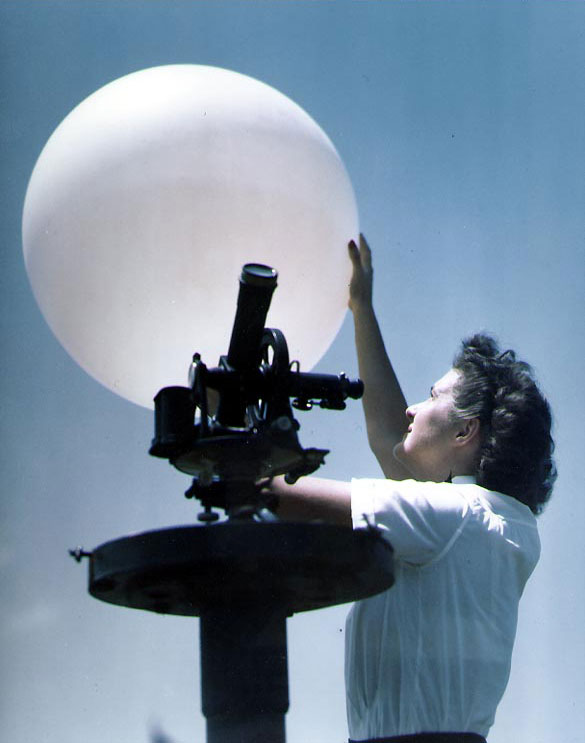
(150, 196)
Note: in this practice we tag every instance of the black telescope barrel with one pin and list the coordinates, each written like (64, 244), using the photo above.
(324, 386)
(257, 284)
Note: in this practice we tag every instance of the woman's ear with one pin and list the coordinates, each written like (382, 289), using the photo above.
(468, 431)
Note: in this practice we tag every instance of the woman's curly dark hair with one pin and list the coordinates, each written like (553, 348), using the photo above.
(516, 455)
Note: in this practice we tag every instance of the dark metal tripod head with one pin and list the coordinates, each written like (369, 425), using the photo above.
(252, 435)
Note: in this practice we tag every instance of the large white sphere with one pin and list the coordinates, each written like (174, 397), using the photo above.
(150, 196)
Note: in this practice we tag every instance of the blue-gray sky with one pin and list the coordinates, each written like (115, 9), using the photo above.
(463, 130)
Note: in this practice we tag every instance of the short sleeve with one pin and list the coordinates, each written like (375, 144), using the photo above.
(420, 519)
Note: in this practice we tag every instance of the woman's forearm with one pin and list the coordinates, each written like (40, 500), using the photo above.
(312, 499)
(383, 400)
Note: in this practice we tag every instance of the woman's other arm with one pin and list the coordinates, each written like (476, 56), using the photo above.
(383, 401)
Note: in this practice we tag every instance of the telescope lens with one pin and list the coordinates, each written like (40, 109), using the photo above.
(257, 274)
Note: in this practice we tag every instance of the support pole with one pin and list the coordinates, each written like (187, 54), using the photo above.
(244, 674)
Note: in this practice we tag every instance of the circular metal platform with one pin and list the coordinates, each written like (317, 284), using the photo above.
(189, 570)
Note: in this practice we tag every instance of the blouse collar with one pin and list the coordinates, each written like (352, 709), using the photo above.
(464, 480)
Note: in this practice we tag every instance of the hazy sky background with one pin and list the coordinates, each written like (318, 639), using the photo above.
(462, 127)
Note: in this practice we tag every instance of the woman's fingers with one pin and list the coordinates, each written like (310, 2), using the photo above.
(365, 253)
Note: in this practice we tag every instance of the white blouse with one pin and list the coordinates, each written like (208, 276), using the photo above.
(432, 654)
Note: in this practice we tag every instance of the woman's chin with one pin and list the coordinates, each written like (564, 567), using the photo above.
(398, 452)
(401, 455)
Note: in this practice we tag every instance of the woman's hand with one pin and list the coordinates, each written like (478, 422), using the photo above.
(360, 286)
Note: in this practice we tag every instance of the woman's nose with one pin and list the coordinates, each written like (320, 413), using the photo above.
(411, 412)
